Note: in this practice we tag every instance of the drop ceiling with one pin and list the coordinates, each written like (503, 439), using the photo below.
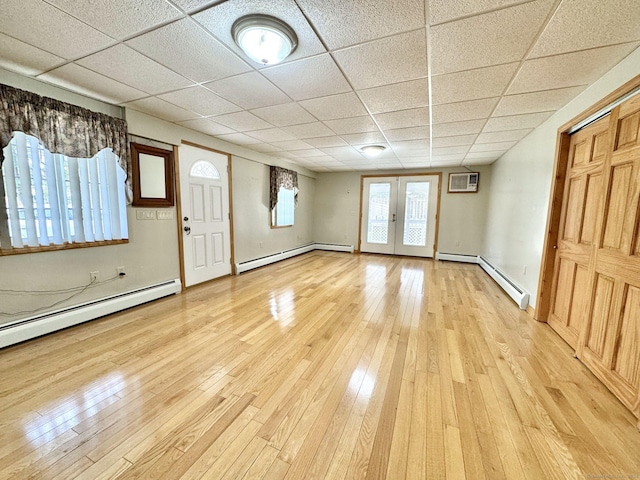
(440, 83)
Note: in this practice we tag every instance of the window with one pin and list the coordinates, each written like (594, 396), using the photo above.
(283, 196)
(52, 199)
(283, 213)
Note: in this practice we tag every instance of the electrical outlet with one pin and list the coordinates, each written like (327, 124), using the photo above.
(120, 272)
(93, 276)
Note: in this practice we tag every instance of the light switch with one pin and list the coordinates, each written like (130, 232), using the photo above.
(145, 214)
(165, 214)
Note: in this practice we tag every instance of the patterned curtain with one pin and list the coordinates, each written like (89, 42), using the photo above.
(281, 177)
(61, 127)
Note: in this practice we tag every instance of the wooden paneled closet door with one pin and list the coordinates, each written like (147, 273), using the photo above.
(609, 342)
(578, 226)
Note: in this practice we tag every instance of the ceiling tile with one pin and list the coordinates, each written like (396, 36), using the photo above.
(120, 18)
(309, 130)
(478, 161)
(284, 114)
(23, 58)
(364, 138)
(161, 109)
(322, 142)
(265, 148)
(483, 155)
(459, 150)
(411, 148)
(441, 11)
(291, 145)
(493, 38)
(388, 60)
(249, 90)
(343, 153)
(492, 147)
(409, 133)
(134, 69)
(457, 128)
(81, 80)
(242, 121)
(200, 100)
(471, 84)
(415, 160)
(507, 136)
(447, 158)
(48, 28)
(238, 138)
(314, 153)
(271, 135)
(413, 117)
(192, 5)
(362, 20)
(335, 106)
(535, 102)
(352, 125)
(568, 70)
(205, 125)
(294, 79)
(220, 18)
(515, 122)
(454, 141)
(186, 48)
(399, 96)
(583, 24)
(462, 111)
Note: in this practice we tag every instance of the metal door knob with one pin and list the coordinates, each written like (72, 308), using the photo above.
(187, 229)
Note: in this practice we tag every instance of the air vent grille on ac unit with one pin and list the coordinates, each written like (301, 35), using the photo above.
(463, 182)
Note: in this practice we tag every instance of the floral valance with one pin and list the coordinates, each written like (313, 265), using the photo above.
(61, 127)
(281, 177)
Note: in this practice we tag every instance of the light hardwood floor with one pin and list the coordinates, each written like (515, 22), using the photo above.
(326, 365)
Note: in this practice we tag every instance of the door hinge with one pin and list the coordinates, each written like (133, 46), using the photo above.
(229, 215)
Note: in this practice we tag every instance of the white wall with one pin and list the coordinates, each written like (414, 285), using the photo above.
(462, 216)
(521, 182)
(254, 237)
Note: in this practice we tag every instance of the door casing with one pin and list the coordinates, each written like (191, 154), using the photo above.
(362, 177)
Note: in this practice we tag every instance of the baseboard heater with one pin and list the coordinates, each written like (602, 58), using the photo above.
(276, 257)
(509, 286)
(513, 290)
(36, 326)
(457, 257)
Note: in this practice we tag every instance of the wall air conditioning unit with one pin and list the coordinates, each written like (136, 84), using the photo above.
(463, 182)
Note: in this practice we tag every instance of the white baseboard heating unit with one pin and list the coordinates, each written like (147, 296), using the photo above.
(513, 290)
(36, 326)
(276, 257)
(509, 286)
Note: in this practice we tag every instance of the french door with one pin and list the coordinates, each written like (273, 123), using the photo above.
(399, 215)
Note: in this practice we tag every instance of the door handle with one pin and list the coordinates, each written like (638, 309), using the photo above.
(186, 219)
(188, 230)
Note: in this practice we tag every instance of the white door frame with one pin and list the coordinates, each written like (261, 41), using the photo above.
(384, 175)
(176, 167)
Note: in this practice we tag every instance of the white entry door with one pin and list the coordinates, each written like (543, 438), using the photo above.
(399, 215)
(204, 196)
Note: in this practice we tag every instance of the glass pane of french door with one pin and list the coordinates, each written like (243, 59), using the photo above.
(378, 215)
(416, 214)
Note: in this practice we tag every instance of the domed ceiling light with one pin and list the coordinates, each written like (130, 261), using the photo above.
(373, 150)
(264, 39)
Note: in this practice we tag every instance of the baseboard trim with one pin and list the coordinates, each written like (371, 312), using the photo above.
(276, 257)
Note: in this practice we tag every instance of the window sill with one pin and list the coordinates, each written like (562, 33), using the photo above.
(273, 227)
(53, 248)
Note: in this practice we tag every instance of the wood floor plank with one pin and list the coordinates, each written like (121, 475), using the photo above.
(323, 366)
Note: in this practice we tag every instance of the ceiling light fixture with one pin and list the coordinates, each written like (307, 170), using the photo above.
(266, 40)
(373, 150)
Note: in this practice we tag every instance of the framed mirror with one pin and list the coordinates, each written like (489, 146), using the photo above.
(152, 180)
